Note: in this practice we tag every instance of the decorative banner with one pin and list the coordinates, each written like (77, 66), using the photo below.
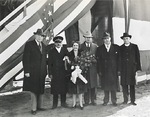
(39, 15)
(12, 43)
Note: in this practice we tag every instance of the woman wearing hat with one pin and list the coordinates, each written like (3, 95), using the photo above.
(34, 65)
(130, 64)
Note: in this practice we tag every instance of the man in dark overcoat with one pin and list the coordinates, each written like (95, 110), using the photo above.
(91, 77)
(108, 68)
(34, 65)
(130, 65)
(57, 71)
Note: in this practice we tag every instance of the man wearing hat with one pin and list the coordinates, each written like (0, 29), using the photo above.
(57, 72)
(130, 64)
(91, 47)
(108, 68)
(34, 65)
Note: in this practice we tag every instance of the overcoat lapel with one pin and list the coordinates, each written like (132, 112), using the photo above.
(36, 47)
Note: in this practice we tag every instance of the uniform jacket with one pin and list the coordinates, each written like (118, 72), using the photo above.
(92, 77)
(56, 68)
(108, 66)
(130, 63)
(34, 62)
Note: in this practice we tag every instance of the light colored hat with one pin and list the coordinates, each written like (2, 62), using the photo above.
(88, 34)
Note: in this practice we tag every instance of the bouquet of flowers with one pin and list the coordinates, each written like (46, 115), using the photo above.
(81, 66)
(85, 61)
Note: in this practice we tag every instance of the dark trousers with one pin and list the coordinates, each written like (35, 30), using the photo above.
(126, 92)
(36, 101)
(62, 98)
(113, 96)
(89, 95)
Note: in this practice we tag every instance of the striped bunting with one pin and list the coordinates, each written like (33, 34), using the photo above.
(21, 39)
(26, 35)
(11, 48)
(9, 74)
(72, 15)
(19, 20)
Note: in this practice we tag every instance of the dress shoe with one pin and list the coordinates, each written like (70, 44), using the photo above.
(74, 106)
(41, 109)
(86, 104)
(33, 112)
(104, 104)
(124, 102)
(114, 104)
(93, 103)
(65, 105)
(81, 107)
(133, 103)
(54, 107)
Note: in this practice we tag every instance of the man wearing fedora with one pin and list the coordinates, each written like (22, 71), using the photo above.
(130, 65)
(91, 47)
(57, 71)
(34, 65)
(108, 68)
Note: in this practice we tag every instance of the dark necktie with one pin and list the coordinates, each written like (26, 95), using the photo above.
(88, 47)
(40, 47)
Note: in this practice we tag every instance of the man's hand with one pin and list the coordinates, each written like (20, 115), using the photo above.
(51, 77)
(67, 59)
(94, 61)
(27, 74)
(136, 77)
(119, 74)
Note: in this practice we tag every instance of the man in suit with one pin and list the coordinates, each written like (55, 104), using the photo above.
(91, 47)
(34, 65)
(57, 71)
(108, 68)
(130, 65)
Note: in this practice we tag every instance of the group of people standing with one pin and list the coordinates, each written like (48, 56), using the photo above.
(62, 66)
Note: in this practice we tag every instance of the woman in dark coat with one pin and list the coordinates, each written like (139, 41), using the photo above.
(34, 65)
(79, 87)
(56, 69)
(130, 64)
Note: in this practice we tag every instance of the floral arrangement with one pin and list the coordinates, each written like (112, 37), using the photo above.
(84, 61)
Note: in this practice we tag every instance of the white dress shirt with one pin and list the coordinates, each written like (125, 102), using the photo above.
(127, 45)
(88, 44)
(58, 49)
(107, 47)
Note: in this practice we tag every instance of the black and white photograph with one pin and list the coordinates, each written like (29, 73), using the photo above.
(74, 58)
